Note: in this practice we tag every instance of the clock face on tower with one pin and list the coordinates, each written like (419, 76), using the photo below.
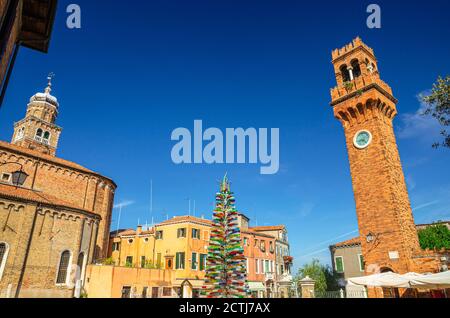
(362, 139)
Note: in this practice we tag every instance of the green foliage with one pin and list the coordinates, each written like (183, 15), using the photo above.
(324, 276)
(109, 261)
(435, 237)
(438, 106)
(150, 265)
(348, 86)
(129, 265)
(84, 294)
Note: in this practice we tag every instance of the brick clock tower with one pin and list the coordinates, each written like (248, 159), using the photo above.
(38, 131)
(366, 107)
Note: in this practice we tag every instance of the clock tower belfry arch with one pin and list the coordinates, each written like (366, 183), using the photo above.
(366, 107)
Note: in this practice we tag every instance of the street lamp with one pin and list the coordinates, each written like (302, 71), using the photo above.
(18, 177)
(370, 238)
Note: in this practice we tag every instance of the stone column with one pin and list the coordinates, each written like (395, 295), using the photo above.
(350, 72)
(307, 286)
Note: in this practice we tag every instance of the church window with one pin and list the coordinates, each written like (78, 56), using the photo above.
(63, 271)
(4, 249)
(6, 177)
(46, 138)
(39, 135)
(20, 133)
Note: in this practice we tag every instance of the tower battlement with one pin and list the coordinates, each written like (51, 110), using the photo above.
(356, 43)
(356, 70)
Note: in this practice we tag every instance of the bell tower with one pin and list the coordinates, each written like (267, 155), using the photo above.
(366, 107)
(38, 131)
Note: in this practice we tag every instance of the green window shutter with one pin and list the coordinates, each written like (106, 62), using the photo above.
(202, 261)
(361, 262)
(194, 261)
(182, 260)
(339, 264)
(158, 260)
(177, 261)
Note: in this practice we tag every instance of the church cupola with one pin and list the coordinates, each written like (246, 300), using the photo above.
(38, 131)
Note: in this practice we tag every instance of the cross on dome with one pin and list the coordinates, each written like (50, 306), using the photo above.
(50, 77)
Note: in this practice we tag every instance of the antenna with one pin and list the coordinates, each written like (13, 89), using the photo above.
(166, 214)
(194, 208)
(151, 199)
(189, 199)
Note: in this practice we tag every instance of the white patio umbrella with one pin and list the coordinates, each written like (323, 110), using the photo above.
(432, 281)
(389, 280)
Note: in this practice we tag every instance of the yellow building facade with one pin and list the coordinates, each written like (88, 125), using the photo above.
(179, 244)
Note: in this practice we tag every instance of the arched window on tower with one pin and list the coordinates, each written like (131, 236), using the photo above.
(4, 249)
(356, 68)
(63, 269)
(46, 139)
(345, 73)
(39, 135)
(20, 134)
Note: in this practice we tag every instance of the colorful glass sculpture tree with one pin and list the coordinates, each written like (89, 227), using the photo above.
(226, 270)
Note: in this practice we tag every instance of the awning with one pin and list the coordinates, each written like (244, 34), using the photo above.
(256, 286)
(410, 280)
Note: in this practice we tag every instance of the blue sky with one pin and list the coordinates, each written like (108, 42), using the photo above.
(133, 74)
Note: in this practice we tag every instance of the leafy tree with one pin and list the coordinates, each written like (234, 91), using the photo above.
(435, 237)
(438, 106)
(323, 275)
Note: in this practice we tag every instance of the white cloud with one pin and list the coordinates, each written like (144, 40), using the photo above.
(123, 204)
(306, 209)
(415, 125)
(425, 205)
(411, 182)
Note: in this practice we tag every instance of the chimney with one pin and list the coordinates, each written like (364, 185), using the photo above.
(243, 221)
(139, 230)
